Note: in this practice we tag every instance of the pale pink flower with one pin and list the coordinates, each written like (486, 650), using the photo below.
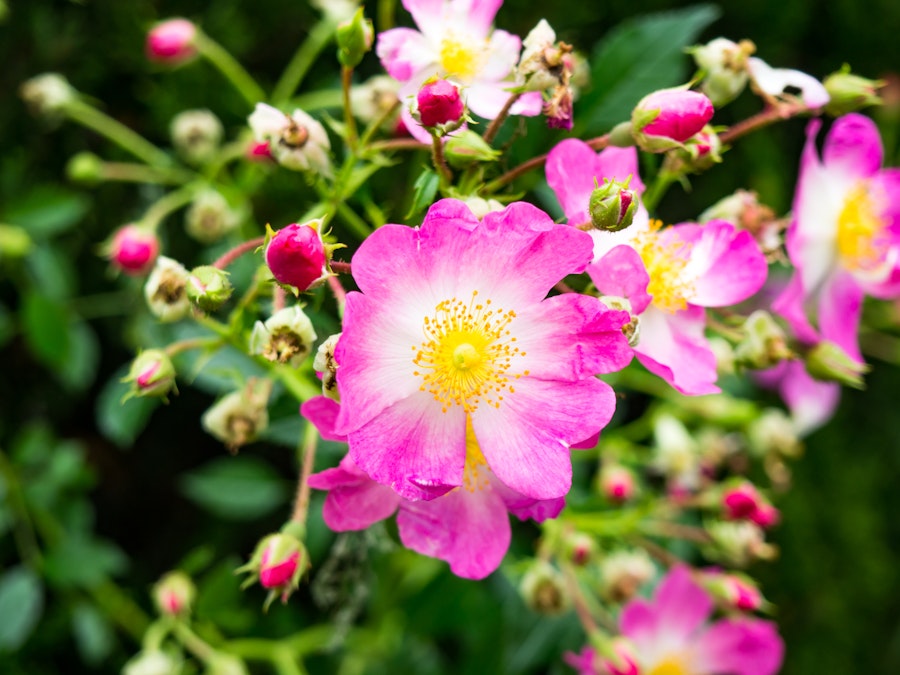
(453, 330)
(455, 40)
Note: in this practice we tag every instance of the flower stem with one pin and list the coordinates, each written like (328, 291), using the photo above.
(339, 267)
(279, 298)
(127, 139)
(308, 451)
(763, 119)
(139, 173)
(340, 295)
(494, 127)
(230, 256)
(193, 643)
(192, 343)
(349, 120)
(437, 157)
(233, 71)
(319, 37)
(168, 204)
(398, 144)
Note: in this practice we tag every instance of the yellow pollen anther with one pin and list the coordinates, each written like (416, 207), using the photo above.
(461, 59)
(466, 353)
(859, 230)
(665, 264)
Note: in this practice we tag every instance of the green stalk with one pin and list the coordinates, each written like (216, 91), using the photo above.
(319, 37)
(127, 139)
(234, 72)
(168, 204)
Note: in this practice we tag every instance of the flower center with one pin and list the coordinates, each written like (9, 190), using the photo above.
(461, 59)
(467, 350)
(664, 264)
(671, 666)
(860, 230)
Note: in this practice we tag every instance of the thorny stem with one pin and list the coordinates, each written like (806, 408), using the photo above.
(230, 256)
(308, 449)
(535, 162)
(498, 121)
(339, 267)
(763, 119)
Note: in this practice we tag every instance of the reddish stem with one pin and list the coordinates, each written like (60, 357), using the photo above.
(762, 119)
(596, 143)
(339, 267)
(230, 256)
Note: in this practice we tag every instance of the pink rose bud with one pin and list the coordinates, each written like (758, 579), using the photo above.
(278, 562)
(174, 593)
(258, 152)
(624, 661)
(741, 502)
(766, 516)
(133, 249)
(172, 42)
(617, 483)
(668, 117)
(742, 595)
(274, 573)
(297, 256)
(439, 103)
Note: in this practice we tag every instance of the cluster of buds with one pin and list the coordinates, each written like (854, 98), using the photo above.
(172, 42)
(279, 562)
(547, 65)
(238, 417)
(732, 591)
(151, 374)
(295, 141)
(132, 249)
(286, 337)
(742, 501)
(297, 255)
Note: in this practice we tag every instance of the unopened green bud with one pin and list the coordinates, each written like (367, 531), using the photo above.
(210, 217)
(764, 343)
(623, 572)
(47, 95)
(774, 432)
(86, 168)
(286, 337)
(354, 39)
(724, 67)
(14, 241)
(238, 417)
(544, 590)
(737, 543)
(174, 594)
(829, 363)
(208, 287)
(196, 135)
(466, 148)
(850, 92)
(612, 206)
(151, 374)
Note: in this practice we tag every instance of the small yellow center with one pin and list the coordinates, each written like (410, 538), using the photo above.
(860, 230)
(467, 351)
(664, 264)
(460, 58)
(475, 474)
(671, 666)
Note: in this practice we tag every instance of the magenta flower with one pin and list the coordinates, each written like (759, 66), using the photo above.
(669, 275)
(672, 634)
(844, 240)
(439, 103)
(468, 527)
(452, 330)
(455, 40)
(171, 42)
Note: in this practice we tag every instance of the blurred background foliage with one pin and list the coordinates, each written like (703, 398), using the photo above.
(103, 505)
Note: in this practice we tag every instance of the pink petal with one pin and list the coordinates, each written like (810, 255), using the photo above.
(570, 337)
(811, 402)
(486, 99)
(726, 266)
(673, 346)
(479, 14)
(840, 307)
(322, 412)
(790, 305)
(681, 605)
(525, 441)
(502, 56)
(413, 447)
(621, 273)
(404, 52)
(853, 146)
(739, 647)
(467, 528)
(428, 15)
(354, 500)
(639, 623)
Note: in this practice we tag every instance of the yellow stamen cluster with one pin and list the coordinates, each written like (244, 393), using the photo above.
(670, 666)
(859, 230)
(665, 265)
(462, 59)
(475, 474)
(467, 350)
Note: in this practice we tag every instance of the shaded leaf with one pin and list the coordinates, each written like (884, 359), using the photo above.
(122, 422)
(78, 371)
(48, 210)
(79, 561)
(45, 323)
(93, 634)
(21, 604)
(426, 187)
(238, 488)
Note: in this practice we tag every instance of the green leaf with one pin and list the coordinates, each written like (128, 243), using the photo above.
(83, 562)
(48, 210)
(93, 634)
(122, 422)
(238, 488)
(79, 370)
(637, 57)
(426, 188)
(21, 604)
(7, 325)
(53, 271)
(45, 323)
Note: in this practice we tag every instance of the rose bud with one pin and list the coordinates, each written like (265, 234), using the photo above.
(133, 249)
(172, 42)
(439, 103)
(666, 118)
